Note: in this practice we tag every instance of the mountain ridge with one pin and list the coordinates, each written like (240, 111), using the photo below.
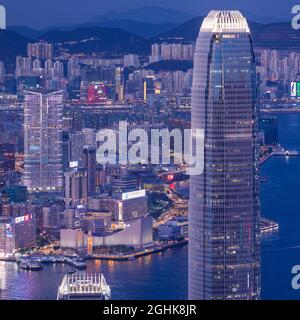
(90, 39)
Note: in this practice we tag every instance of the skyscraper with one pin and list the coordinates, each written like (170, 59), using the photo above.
(89, 162)
(2, 72)
(224, 227)
(76, 187)
(43, 140)
(40, 50)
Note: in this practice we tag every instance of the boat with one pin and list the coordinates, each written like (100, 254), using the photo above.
(79, 264)
(23, 265)
(60, 259)
(30, 265)
(34, 266)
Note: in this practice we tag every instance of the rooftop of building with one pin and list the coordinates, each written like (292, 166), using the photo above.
(84, 284)
(225, 21)
(42, 91)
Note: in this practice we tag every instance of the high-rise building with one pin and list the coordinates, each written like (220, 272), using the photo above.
(51, 217)
(41, 50)
(23, 66)
(76, 187)
(155, 49)
(224, 213)
(6, 237)
(166, 51)
(2, 72)
(36, 64)
(90, 137)
(89, 162)
(131, 60)
(119, 84)
(73, 67)
(17, 233)
(171, 51)
(43, 140)
(58, 69)
(76, 146)
(66, 150)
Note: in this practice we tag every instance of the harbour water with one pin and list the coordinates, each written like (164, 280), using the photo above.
(164, 275)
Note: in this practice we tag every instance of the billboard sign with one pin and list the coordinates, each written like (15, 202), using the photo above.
(73, 164)
(9, 231)
(23, 219)
(295, 89)
(134, 194)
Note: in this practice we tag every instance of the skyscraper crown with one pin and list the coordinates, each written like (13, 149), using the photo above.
(225, 21)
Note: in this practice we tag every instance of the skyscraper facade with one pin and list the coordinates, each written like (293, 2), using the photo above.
(76, 187)
(89, 163)
(2, 72)
(224, 227)
(43, 140)
(40, 50)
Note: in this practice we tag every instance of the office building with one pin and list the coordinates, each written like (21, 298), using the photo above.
(89, 163)
(2, 73)
(51, 217)
(125, 183)
(43, 140)
(24, 231)
(133, 205)
(76, 187)
(6, 237)
(224, 214)
(17, 233)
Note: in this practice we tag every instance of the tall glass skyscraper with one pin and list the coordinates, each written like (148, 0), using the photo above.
(43, 140)
(224, 228)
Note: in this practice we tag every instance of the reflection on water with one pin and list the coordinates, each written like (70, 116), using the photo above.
(160, 276)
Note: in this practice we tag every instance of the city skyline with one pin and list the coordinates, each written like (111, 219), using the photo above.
(153, 159)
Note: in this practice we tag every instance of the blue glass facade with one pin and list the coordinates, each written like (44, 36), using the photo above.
(224, 235)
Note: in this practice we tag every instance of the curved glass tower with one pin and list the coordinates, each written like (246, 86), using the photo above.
(224, 235)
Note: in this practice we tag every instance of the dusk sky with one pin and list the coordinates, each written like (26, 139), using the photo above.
(37, 13)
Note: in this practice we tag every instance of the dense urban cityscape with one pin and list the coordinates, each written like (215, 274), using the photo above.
(78, 216)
